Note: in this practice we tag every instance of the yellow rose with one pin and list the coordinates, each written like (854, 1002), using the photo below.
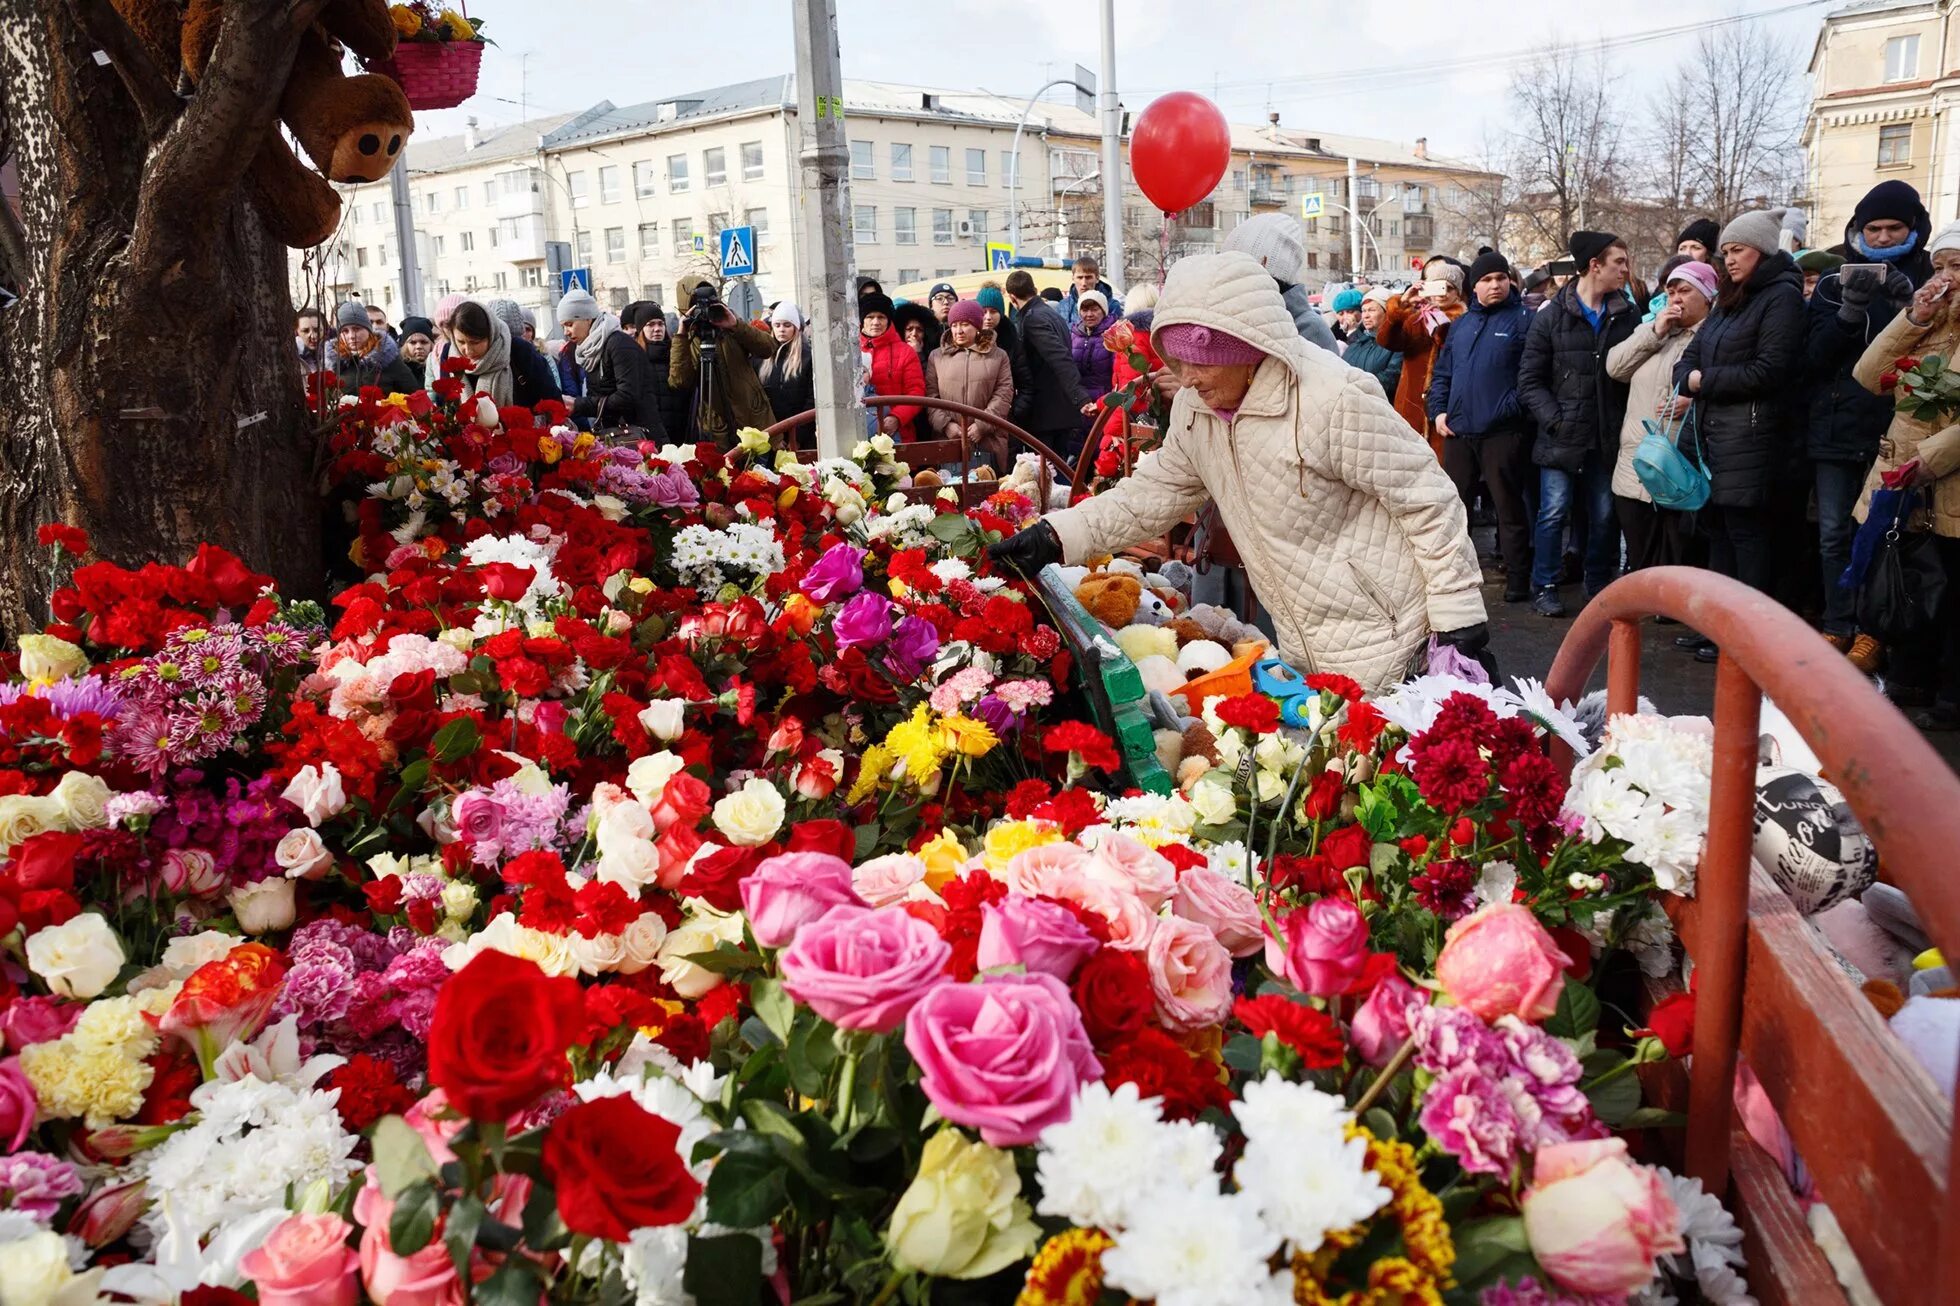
(83, 799)
(23, 816)
(34, 1272)
(700, 932)
(751, 815)
(963, 1217)
(944, 857)
(408, 23)
(753, 440)
(43, 657)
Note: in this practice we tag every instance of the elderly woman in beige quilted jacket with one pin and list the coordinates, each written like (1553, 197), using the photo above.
(1352, 536)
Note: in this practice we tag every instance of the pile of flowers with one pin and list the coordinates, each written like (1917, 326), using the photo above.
(675, 874)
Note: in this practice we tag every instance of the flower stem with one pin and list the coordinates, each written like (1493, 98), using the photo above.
(1389, 1072)
(890, 1290)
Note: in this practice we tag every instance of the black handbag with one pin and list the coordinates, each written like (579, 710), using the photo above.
(1903, 587)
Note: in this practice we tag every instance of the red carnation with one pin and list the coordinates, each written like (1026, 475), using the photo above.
(1254, 712)
(1309, 1031)
(73, 539)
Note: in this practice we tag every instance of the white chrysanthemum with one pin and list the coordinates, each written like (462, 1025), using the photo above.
(1298, 1168)
(1495, 882)
(1271, 1110)
(1115, 1154)
(1230, 860)
(1192, 1247)
(1532, 699)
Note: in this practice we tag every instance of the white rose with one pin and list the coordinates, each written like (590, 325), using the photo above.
(44, 657)
(529, 779)
(751, 815)
(316, 791)
(700, 932)
(486, 413)
(77, 959)
(302, 855)
(34, 1272)
(264, 907)
(458, 638)
(458, 899)
(647, 777)
(23, 816)
(640, 944)
(503, 934)
(1213, 803)
(632, 864)
(610, 508)
(665, 719)
(84, 800)
(596, 955)
(187, 952)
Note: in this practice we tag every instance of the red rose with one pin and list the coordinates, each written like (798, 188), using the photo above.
(717, 878)
(615, 1169)
(1347, 847)
(507, 581)
(833, 837)
(1113, 991)
(1672, 1021)
(47, 860)
(1309, 1031)
(499, 1034)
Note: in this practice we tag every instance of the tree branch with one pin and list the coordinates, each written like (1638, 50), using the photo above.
(222, 130)
(156, 102)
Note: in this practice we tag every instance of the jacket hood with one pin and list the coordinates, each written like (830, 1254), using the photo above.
(1231, 293)
(1616, 303)
(1142, 319)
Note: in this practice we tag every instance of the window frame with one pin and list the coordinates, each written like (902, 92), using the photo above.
(615, 244)
(761, 161)
(860, 230)
(867, 169)
(1895, 134)
(943, 226)
(710, 173)
(1908, 70)
(576, 190)
(901, 171)
(976, 178)
(646, 179)
(609, 194)
(905, 225)
(678, 183)
(939, 164)
(650, 239)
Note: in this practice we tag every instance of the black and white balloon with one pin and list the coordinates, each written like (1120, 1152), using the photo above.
(1808, 840)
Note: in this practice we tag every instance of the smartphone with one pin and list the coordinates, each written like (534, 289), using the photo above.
(1435, 288)
(1872, 272)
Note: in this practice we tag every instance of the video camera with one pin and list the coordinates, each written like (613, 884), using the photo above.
(703, 307)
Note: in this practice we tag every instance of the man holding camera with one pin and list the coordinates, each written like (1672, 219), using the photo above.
(712, 359)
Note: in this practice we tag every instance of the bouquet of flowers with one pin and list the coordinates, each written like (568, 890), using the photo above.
(419, 20)
(1924, 388)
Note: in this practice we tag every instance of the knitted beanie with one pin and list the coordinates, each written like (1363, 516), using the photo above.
(1947, 237)
(787, 312)
(968, 311)
(1486, 263)
(1699, 275)
(1092, 297)
(1893, 199)
(418, 326)
(875, 302)
(578, 305)
(1758, 229)
(990, 297)
(1701, 230)
(352, 312)
(446, 308)
(943, 288)
(1589, 245)
(1273, 240)
(1348, 301)
(1188, 342)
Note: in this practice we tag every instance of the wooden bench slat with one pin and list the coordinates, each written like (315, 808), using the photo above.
(1784, 1265)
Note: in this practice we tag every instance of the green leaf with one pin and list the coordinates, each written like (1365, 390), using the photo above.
(772, 1118)
(1615, 1100)
(725, 1270)
(867, 839)
(1244, 1052)
(1577, 1014)
(1380, 1123)
(810, 1056)
(413, 777)
(414, 1220)
(401, 1158)
(1483, 1244)
(514, 1284)
(950, 527)
(776, 1008)
(459, 1232)
(544, 1231)
(726, 959)
(746, 1190)
(1652, 1117)
(455, 741)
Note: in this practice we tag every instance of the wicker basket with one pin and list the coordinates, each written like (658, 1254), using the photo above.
(433, 74)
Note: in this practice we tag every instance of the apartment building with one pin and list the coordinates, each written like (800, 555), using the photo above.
(1885, 85)
(640, 194)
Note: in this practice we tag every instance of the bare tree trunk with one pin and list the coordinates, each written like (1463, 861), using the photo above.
(148, 389)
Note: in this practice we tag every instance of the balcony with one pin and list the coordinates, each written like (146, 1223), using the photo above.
(521, 240)
(1270, 197)
(1418, 230)
(520, 194)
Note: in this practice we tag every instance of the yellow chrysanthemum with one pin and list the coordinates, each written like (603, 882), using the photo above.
(1067, 1271)
(97, 1070)
(408, 23)
(968, 737)
(1416, 1278)
(873, 767)
(1011, 838)
(916, 742)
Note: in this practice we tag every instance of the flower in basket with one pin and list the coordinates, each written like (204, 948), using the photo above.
(420, 21)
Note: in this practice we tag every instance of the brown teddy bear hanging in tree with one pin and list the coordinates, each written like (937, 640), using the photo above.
(353, 128)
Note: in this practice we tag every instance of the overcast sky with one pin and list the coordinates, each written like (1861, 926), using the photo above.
(1332, 64)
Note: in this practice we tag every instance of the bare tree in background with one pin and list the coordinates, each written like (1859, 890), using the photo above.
(1485, 211)
(1568, 137)
(1737, 100)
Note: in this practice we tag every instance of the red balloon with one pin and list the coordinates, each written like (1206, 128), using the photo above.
(1179, 149)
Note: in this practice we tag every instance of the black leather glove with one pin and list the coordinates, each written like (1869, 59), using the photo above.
(1474, 643)
(1028, 551)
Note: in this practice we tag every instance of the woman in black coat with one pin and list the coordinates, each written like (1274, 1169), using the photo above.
(1741, 370)
(620, 395)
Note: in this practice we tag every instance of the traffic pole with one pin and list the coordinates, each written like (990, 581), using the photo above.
(826, 259)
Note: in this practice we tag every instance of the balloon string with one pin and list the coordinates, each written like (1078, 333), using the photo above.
(1163, 249)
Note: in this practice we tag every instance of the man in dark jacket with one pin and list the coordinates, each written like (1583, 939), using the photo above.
(733, 397)
(1009, 340)
(1474, 406)
(1059, 404)
(1578, 408)
(1889, 230)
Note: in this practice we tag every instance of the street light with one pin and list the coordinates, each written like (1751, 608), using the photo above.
(1014, 165)
(1061, 211)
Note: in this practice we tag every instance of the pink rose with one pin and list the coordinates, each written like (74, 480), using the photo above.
(1190, 974)
(888, 880)
(305, 1262)
(18, 1106)
(1148, 872)
(1597, 1221)
(1130, 922)
(1004, 1055)
(39, 1020)
(1041, 936)
(1326, 947)
(788, 891)
(302, 855)
(1382, 1024)
(1223, 906)
(478, 817)
(861, 968)
(427, 1278)
(1499, 961)
(1036, 871)
(192, 871)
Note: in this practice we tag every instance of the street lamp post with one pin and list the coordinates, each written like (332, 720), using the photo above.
(1014, 156)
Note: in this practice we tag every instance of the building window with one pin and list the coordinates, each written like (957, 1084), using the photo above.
(576, 188)
(864, 223)
(976, 167)
(1238, 179)
(717, 223)
(532, 275)
(751, 160)
(643, 179)
(469, 241)
(905, 226)
(493, 238)
(1313, 260)
(615, 244)
(616, 296)
(676, 173)
(942, 165)
(381, 255)
(439, 244)
(503, 281)
(609, 184)
(977, 220)
(650, 292)
(1902, 58)
(462, 197)
(377, 210)
(757, 220)
(360, 257)
(714, 167)
(649, 239)
(942, 226)
(490, 191)
(901, 162)
(906, 276)
(432, 202)
(862, 166)
(683, 235)
(582, 248)
(1895, 145)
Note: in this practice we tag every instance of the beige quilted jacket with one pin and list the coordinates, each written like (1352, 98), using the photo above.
(1352, 536)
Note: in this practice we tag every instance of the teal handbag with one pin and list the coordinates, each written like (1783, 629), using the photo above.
(1665, 471)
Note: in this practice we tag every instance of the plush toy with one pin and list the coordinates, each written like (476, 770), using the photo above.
(1202, 656)
(1140, 642)
(1111, 600)
(1125, 567)
(1170, 749)
(927, 478)
(1200, 742)
(1072, 576)
(353, 128)
(1159, 673)
(1177, 575)
(1187, 631)
(980, 472)
(1173, 598)
(1223, 626)
(1151, 610)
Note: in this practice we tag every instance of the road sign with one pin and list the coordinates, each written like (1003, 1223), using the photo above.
(738, 251)
(574, 277)
(999, 256)
(1311, 206)
(700, 244)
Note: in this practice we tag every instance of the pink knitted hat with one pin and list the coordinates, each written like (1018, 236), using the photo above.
(1190, 343)
(1698, 275)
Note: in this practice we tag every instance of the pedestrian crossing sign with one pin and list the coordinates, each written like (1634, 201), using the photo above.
(999, 255)
(738, 251)
(1310, 206)
(700, 244)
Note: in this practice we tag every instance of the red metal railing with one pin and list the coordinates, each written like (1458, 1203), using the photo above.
(1874, 1132)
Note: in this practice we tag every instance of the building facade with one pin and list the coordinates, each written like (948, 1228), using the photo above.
(640, 194)
(1885, 88)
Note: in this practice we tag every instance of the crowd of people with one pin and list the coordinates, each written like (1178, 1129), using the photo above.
(1764, 363)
